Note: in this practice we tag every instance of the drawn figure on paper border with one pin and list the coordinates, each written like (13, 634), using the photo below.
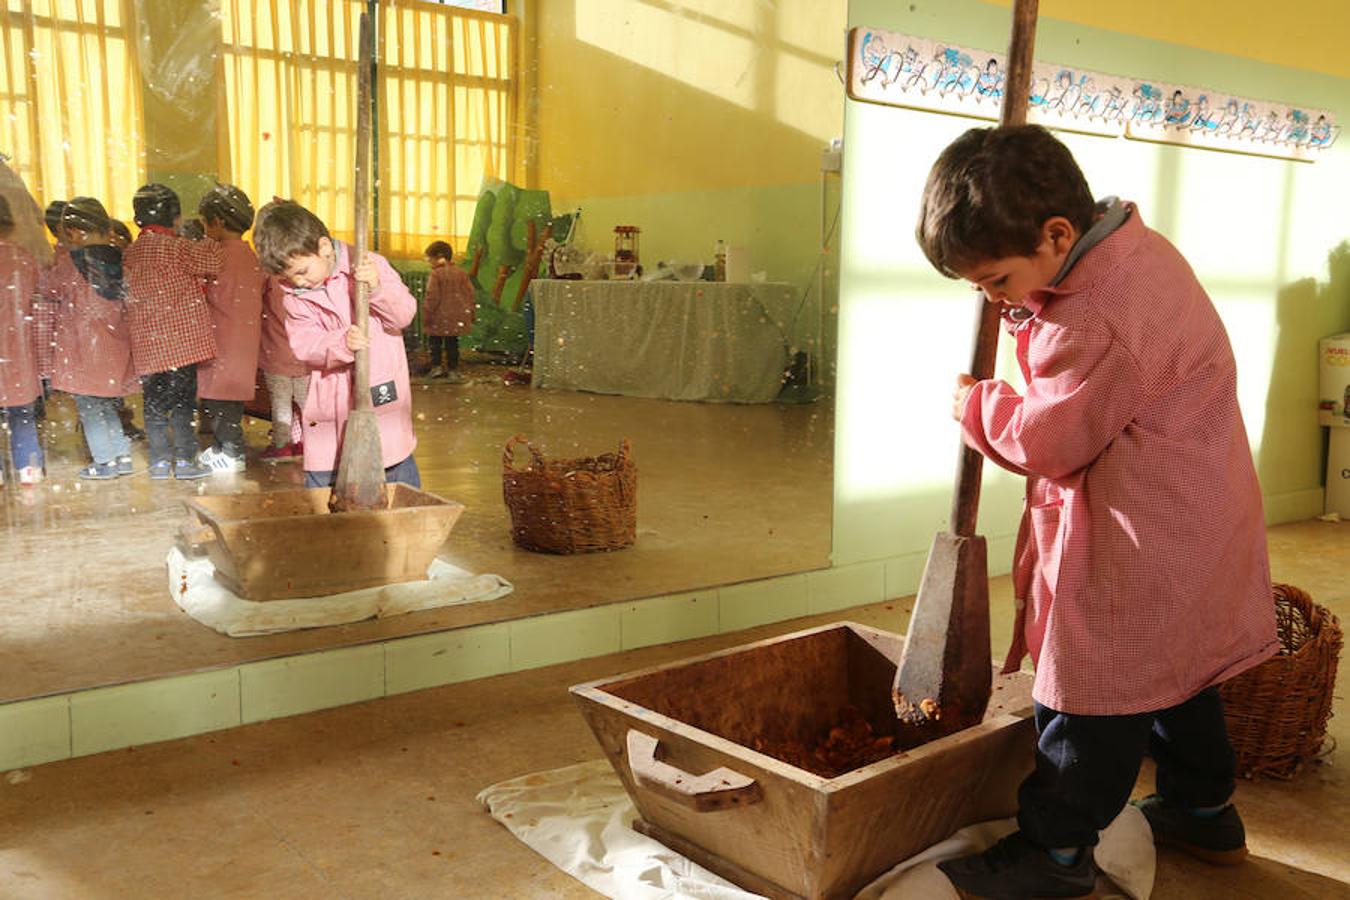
(1113, 104)
(1178, 111)
(1320, 135)
(1202, 121)
(1296, 127)
(879, 60)
(1148, 107)
(990, 83)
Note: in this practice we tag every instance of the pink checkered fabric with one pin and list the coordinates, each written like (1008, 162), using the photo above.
(1140, 572)
(166, 300)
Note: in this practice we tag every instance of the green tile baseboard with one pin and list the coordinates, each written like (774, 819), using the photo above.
(79, 723)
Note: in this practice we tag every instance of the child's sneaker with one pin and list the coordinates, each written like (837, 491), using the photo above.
(1219, 839)
(436, 372)
(124, 466)
(454, 377)
(99, 471)
(1017, 867)
(219, 461)
(160, 471)
(28, 476)
(187, 470)
(279, 454)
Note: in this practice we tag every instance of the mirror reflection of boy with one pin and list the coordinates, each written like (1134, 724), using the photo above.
(171, 330)
(287, 378)
(1133, 599)
(19, 383)
(448, 311)
(235, 299)
(294, 245)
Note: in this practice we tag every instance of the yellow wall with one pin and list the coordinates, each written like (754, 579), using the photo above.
(658, 96)
(1302, 34)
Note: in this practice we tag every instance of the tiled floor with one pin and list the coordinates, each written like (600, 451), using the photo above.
(376, 800)
(85, 600)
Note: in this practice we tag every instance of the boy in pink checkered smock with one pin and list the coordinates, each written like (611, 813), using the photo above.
(1140, 573)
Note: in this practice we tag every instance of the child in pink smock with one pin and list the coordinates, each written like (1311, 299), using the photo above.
(287, 378)
(1137, 595)
(93, 349)
(235, 299)
(19, 384)
(294, 244)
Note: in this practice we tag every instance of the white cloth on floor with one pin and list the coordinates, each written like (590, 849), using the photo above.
(578, 818)
(195, 589)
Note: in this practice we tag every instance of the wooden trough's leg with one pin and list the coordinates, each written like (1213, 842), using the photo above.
(714, 863)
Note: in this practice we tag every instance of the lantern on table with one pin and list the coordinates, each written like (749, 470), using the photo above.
(626, 250)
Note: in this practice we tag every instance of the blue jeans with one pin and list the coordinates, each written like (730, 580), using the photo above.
(400, 473)
(1087, 765)
(23, 436)
(170, 401)
(102, 428)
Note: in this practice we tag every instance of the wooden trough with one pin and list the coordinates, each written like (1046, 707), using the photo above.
(282, 544)
(680, 737)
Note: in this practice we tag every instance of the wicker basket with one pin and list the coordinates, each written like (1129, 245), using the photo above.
(571, 505)
(1277, 712)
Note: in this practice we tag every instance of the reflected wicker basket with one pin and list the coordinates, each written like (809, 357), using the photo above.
(1277, 712)
(571, 505)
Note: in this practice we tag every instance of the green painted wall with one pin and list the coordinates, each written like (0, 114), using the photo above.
(1258, 232)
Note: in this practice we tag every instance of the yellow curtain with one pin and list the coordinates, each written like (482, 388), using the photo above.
(290, 89)
(70, 94)
(446, 102)
(447, 94)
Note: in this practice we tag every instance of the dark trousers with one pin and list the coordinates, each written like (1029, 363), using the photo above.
(170, 400)
(227, 417)
(405, 472)
(447, 343)
(1086, 767)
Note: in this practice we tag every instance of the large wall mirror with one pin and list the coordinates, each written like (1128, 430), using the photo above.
(689, 138)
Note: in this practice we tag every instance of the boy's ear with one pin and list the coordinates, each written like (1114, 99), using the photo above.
(1059, 233)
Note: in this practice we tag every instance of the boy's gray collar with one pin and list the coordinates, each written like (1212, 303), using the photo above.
(1111, 214)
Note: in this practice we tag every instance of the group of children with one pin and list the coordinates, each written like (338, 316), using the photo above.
(188, 323)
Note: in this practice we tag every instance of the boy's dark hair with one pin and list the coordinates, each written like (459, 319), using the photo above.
(440, 250)
(284, 229)
(228, 205)
(990, 192)
(192, 229)
(6, 216)
(52, 216)
(120, 229)
(156, 204)
(86, 214)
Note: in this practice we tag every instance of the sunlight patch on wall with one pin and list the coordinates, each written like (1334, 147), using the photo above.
(1249, 317)
(699, 54)
(806, 96)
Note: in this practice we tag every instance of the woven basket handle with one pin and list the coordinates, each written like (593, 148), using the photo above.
(508, 453)
(625, 450)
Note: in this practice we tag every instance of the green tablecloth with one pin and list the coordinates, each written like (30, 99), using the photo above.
(668, 340)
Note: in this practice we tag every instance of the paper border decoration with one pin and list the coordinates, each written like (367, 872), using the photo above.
(897, 69)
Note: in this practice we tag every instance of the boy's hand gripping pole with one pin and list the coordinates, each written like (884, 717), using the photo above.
(943, 680)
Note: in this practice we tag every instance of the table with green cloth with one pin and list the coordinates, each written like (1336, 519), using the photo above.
(668, 340)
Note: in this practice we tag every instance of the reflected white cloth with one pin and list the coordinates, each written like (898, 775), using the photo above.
(666, 340)
(196, 591)
(578, 818)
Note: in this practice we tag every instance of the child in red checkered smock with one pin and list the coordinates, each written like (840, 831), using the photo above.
(235, 298)
(171, 328)
(1140, 571)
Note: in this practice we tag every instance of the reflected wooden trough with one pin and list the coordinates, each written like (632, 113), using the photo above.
(681, 738)
(279, 545)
